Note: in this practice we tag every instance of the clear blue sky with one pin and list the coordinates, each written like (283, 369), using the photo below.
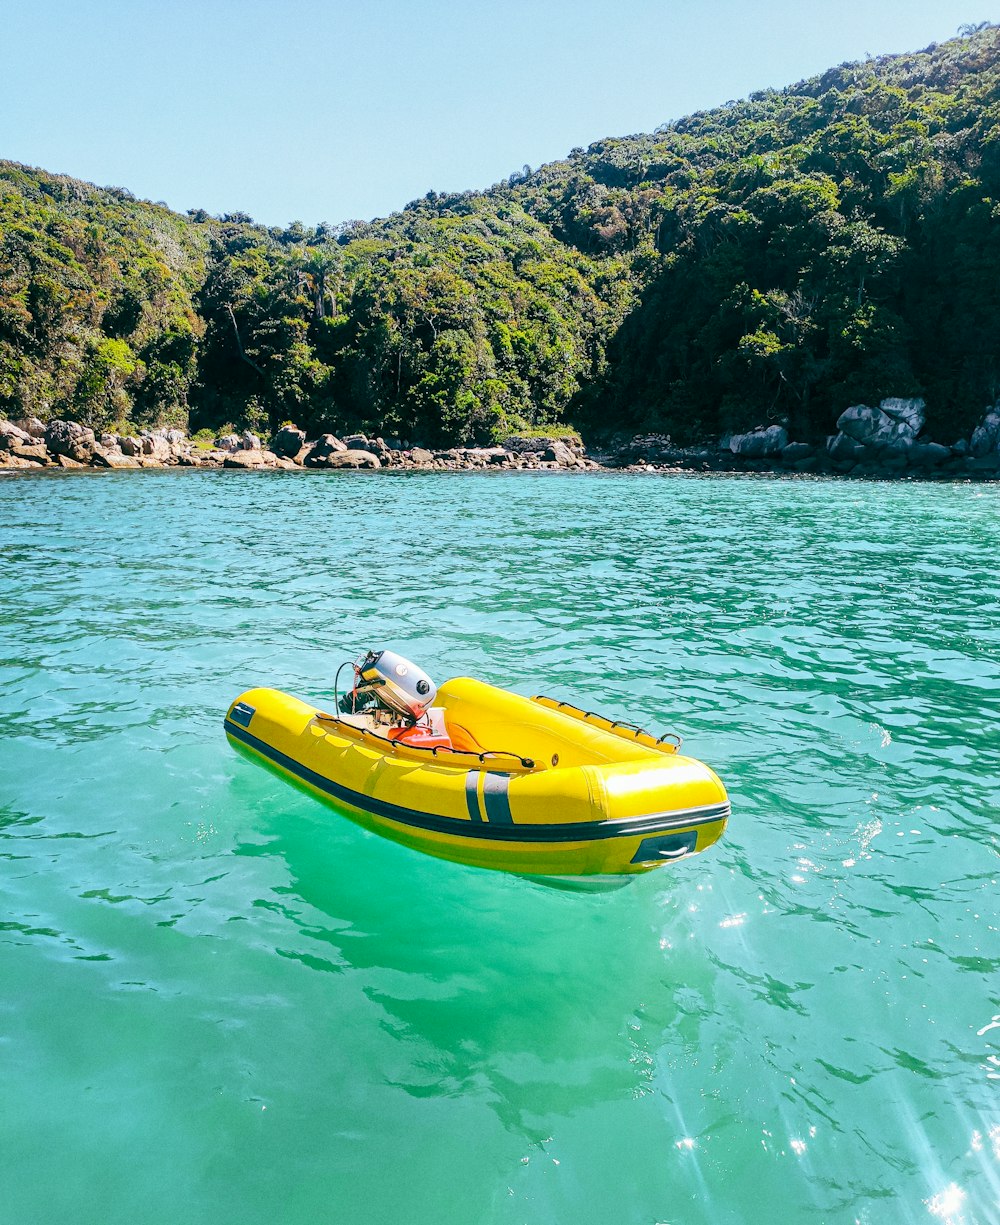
(324, 110)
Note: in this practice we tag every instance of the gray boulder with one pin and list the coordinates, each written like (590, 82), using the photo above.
(356, 442)
(175, 437)
(250, 457)
(109, 457)
(796, 452)
(863, 424)
(156, 447)
(228, 442)
(759, 443)
(288, 441)
(521, 445)
(421, 456)
(244, 459)
(321, 450)
(32, 426)
(986, 437)
(910, 413)
(249, 441)
(841, 447)
(130, 445)
(928, 454)
(71, 439)
(352, 458)
(894, 459)
(485, 455)
(558, 452)
(11, 433)
(895, 421)
(35, 452)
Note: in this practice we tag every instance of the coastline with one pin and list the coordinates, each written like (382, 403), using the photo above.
(31, 446)
(596, 469)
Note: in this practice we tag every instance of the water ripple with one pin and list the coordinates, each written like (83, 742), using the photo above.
(193, 951)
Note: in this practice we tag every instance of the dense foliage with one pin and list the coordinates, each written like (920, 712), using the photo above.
(96, 301)
(774, 259)
(831, 243)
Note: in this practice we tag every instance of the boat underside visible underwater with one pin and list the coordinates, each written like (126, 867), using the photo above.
(532, 786)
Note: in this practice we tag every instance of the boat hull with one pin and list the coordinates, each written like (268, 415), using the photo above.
(619, 819)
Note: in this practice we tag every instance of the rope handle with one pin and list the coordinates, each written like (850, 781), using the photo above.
(672, 738)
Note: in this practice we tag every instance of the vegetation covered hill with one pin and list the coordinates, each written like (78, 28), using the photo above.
(775, 259)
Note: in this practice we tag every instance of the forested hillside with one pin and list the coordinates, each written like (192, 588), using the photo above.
(776, 259)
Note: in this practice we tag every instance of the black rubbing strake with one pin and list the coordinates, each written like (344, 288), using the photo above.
(574, 831)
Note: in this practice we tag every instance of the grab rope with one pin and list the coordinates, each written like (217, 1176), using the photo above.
(588, 715)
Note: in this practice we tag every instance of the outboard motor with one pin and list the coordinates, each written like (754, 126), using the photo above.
(388, 679)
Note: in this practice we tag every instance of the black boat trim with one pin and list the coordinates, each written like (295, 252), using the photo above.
(575, 831)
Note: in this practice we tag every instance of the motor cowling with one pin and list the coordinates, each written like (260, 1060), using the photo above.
(397, 683)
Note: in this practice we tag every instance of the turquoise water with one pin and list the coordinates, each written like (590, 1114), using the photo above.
(221, 1002)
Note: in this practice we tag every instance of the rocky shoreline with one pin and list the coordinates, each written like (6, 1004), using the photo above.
(884, 442)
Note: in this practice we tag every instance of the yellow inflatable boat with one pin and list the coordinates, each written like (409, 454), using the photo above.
(525, 785)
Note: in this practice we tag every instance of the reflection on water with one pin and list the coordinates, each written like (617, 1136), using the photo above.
(481, 1012)
(213, 983)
